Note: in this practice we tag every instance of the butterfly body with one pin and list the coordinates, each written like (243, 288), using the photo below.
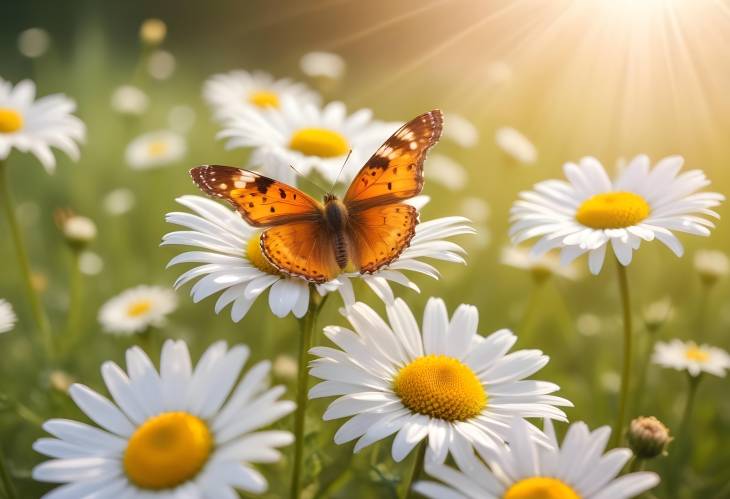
(362, 232)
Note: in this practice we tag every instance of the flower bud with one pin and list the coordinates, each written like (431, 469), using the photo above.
(153, 31)
(711, 265)
(78, 230)
(648, 437)
(657, 313)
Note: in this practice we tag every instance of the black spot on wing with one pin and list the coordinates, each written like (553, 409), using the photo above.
(378, 162)
(263, 183)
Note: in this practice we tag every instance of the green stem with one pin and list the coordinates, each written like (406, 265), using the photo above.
(306, 330)
(643, 369)
(44, 327)
(417, 468)
(681, 433)
(682, 439)
(626, 370)
(73, 326)
(637, 464)
(702, 310)
(10, 491)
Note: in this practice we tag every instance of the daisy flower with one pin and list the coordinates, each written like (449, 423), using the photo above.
(446, 171)
(154, 149)
(232, 262)
(515, 145)
(34, 42)
(447, 383)
(7, 316)
(136, 309)
(711, 265)
(35, 126)
(130, 100)
(307, 137)
(322, 65)
(688, 356)
(461, 131)
(589, 212)
(182, 432)
(540, 267)
(577, 470)
(228, 93)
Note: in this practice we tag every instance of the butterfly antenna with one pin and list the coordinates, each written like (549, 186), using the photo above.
(310, 182)
(342, 169)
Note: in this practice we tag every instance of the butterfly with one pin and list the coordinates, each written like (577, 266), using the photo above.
(364, 231)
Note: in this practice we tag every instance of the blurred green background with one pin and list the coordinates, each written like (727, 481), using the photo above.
(605, 78)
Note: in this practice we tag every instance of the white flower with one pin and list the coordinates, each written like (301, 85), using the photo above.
(35, 126)
(447, 383)
(232, 262)
(590, 212)
(136, 309)
(579, 469)
(690, 357)
(119, 201)
(516, 145)
(657, 313)
(183, 432)
(79, 229)
(322, 65)
(7, 316)
(446, 171)
(540, 266)
(155, 149)
(302, 135)
(711, 265)
(161, 64)
(460, 130)
(33, 42)
(90, 263)
(228, 93)
(128, 99)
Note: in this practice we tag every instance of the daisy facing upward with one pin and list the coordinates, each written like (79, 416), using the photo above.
(442, 382)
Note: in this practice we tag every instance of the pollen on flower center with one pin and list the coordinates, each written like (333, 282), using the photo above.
(264, 98)
(157, 149)
(441, 387)
(540, 488)
(612, 210)
(696, 354)
(139, 307)
(319, 142)
(10, 120)
(257, 258)
(167, 450)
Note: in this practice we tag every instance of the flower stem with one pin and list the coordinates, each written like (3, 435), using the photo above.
(75, 303)
(626, 370)
(44, 327)
(10, 491)
(306, 330)
(681, 433)
(682, 439)
(417, 468)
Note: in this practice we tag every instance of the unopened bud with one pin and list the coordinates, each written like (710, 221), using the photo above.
(78, 230)
(648, 437)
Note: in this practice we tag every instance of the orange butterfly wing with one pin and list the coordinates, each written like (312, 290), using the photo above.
(296, 242)
(302, 249)
(380, 234)
(380, 225)
(261, 200)
(395, 171)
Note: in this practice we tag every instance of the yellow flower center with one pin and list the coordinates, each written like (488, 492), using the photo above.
(694, 353)
(319, 142)
(139, 307)
(10, 120)
(441, 387)
(257, 258)
(540, 488)
(167, 450)
(612, 210)
(157, 148)
(264, 98)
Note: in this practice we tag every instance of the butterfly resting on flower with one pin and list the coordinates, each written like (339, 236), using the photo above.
(364, 231)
